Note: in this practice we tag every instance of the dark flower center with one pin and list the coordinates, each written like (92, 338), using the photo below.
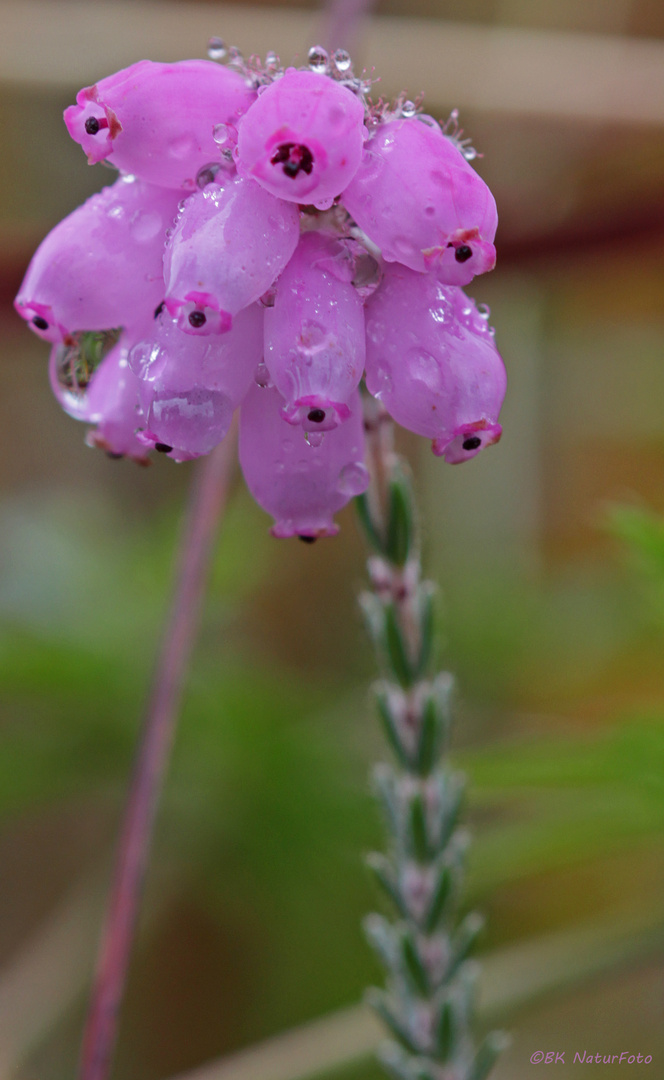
(163, 447)
(158, 310)
(93, 124)
(308, 539)
(472, 443)
(40, 323)
(463, 253)
(294, 158)
(316, 416)
(197, 319)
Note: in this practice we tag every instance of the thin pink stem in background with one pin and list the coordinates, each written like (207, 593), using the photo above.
(208, 499)
(341, 19)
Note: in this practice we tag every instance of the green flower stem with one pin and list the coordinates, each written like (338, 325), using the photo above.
(428, 1001)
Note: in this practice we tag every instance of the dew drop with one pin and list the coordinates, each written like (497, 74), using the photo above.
(271, 60)
(146, 225)
(353, 479)
(318, 59)
(262, 376)
(384, 380)
(424, 367)
(268, 297)
(314, 438)
(409, 108)
(220, 134)
(181, 147)
(342, 60)
(207, 175)
(216, 49)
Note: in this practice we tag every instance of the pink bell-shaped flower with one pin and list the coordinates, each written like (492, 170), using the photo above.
(419, 200)
(230, 243)
(102, 266)
(302, 486)
(302, 138)
(314, 334)
(432, 361)
(156, 120)
(190, 386)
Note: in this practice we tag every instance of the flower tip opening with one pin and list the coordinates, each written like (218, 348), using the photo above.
(467, 441)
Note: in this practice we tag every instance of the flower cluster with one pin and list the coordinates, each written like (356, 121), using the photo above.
(272, 238)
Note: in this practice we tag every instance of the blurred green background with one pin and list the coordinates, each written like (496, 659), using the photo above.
(549, 552)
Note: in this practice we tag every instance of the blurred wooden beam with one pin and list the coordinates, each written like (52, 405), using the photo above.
(70, 43)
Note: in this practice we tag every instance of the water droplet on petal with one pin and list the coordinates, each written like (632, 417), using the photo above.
(353, 479)
(262, 376)
(318, 59)
(207, 175)
(268, 297)
(342, 60)
(409, 108)
(384, 380)
(181, 147)
(314, 438)
(216, 49)
(146, 225)
(424, 367)
(220, 134)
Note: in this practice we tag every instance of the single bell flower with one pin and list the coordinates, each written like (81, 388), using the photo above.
(302, 138)
(102, 266)
(156, 121)
(314, 334)
(420, 201)
(433, 362)
(301, 485)
(231, 241)
(190, 386)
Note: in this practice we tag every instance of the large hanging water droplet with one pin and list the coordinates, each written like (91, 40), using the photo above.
(314, 438)
(76, 363)
(342, 60)
(408, 109)
(216, 49)
(318, 59)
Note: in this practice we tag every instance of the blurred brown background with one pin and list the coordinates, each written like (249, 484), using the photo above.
(552, 602)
